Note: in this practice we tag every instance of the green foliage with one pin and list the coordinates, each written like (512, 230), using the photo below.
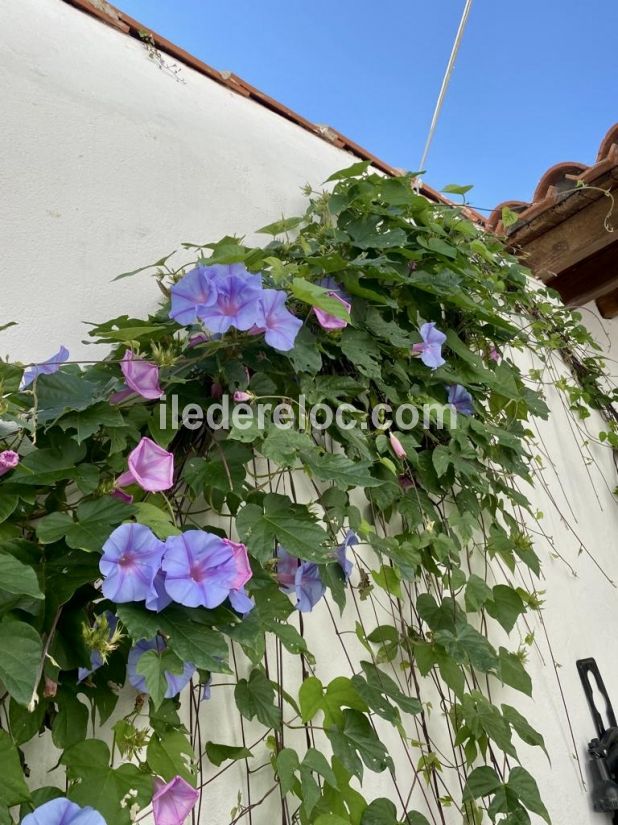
(438, 527)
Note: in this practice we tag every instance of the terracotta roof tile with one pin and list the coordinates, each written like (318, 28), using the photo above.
(559, 193)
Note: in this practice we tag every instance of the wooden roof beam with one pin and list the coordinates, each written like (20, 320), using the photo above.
(608, 304)
(591, 278)
(572, 241)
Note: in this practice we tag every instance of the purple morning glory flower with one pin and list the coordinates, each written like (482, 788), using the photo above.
(460, 398)
(173, 801)
(62, 811)
(237, 303)
(141, 377)
(286, 569)
(308, 586)
(158, 598)
(150, 466)
(130, 561)
(197, 339)
(96, 660)
(192, 294)
(331, 322)
(346, 565)
(301, 578)
(331, 285)
(126, 498)
(280, 327)
(175, 681)
(48, 367)
(9, 459)
(430, 349)
(201, 569)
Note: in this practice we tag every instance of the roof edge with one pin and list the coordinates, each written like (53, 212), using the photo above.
(115, 17)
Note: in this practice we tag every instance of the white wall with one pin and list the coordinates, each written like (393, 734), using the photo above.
(606, 333)
(109, 163)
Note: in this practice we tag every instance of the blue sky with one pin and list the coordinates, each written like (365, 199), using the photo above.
(535, 82)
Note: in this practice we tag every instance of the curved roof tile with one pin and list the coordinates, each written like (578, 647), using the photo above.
(609, 142)
(557, 185)
(559, 178)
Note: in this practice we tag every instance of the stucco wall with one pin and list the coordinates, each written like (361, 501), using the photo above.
(109, 163)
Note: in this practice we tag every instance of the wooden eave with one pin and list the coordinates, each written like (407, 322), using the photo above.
(568, 235)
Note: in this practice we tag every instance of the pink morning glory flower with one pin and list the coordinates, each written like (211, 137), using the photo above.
(202, 569)
(130, 561)
(9, 459)
(346, 565)
(240, 396)
(192, 294)
(430, 349)
(173, 801)
(495, 355)
(62, 811)
(150, 466)
(280, 327)
(241, 561)
(397, 446)
(141, 376)
(48, 367)
(239, 598)
(176, 682)
(197, 339)
(237, 302)
(460, 398)
(127, 498)
(328, 321)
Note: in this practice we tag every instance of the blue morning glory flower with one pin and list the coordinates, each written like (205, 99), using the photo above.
(202, 569)
(430, 349)
(280, 327)
(308, 586)
(158, 598)
(48, 367)
(175, 681)
(62, 811)
(331, 285)
(130, 561)
(301, 578)
(237, 302)
(346, 565)
(241, 601)
(460, 398)
(192, 294)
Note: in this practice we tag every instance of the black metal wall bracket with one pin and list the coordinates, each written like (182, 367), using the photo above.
(603, 749)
